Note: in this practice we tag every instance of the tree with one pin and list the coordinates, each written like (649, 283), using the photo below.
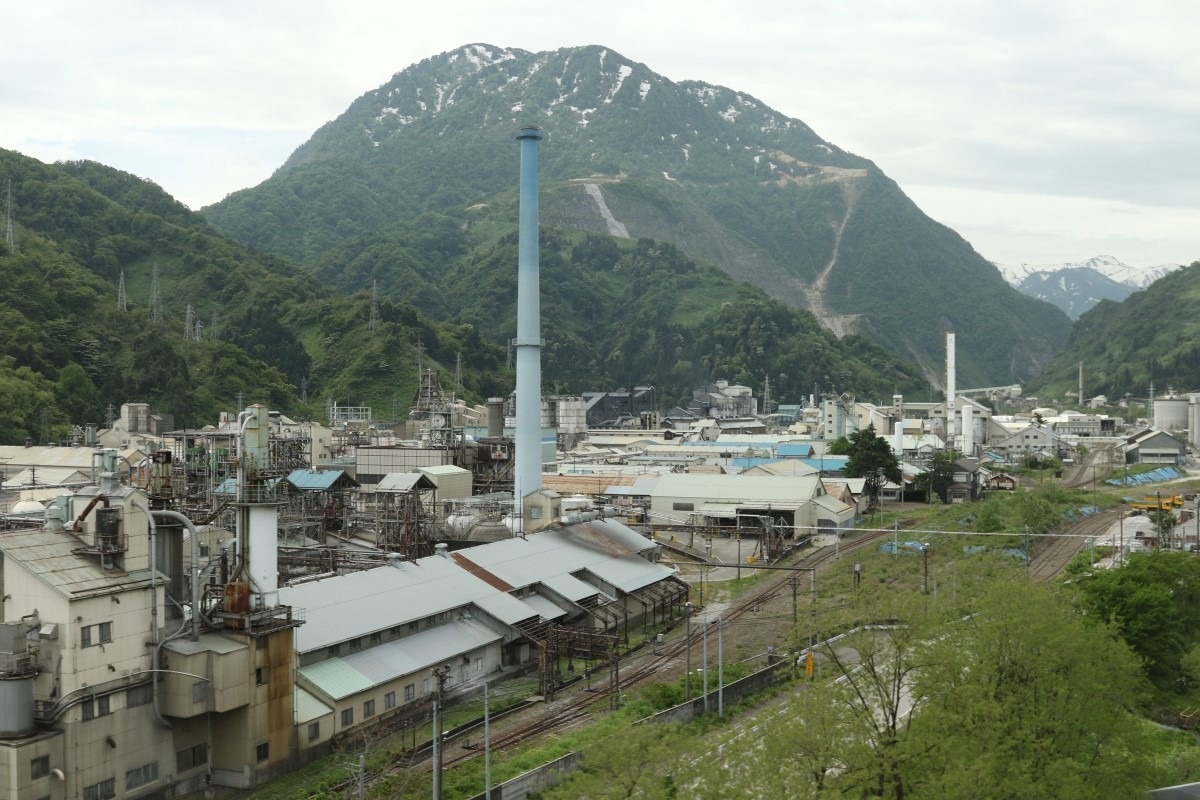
(633, 761)
(871, 457)
(939, 474)
(1029, 705)
(1154, 602)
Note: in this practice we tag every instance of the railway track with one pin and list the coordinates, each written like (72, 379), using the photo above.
(1056, 550)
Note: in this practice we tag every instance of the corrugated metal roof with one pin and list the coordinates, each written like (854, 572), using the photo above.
(319, 479)
(208, 642)
(335, 678)
(546, 607)
(349, 606)
(429, 648)
(628, 574)
(737, 488)
(569, 587)
(49, 556)
(404, 482)
(444, 469)
(49, 476)
(73, 457)
(309, 707)
(643, 486)
(341, 677)
(506, 608)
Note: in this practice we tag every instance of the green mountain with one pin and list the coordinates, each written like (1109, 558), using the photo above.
(262, 330)
(1152, 336)
(630, 154)
(265, 330)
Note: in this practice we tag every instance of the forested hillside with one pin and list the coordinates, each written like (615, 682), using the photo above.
(614, 313)
(1153, 336)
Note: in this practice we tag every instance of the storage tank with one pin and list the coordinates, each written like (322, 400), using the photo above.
(1170, 413)
(576, 502)
(460, 523)
(489, 530)
(17, 673)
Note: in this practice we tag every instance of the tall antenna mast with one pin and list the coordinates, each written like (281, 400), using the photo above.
(155, 297)
(766, 394)
(189, 324)
(458, 387)
(420, 348)
(122, 299)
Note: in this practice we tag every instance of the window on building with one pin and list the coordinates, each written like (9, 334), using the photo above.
(92, 635)
(376, 638)
(397, 632)
(104, 790)
(39, 767)
(314, 731)
(389, 701)
(410, 692)
(191, 757)
(147, 773)
(103, 705)
(139, 695)
(368, 709)
(334, 650)
(478, 665)
(89, 709)
(347, 717)
(263, 751)
(425, 686)
(683, 506)
(355, 645)
(260, 676)
(200, 692)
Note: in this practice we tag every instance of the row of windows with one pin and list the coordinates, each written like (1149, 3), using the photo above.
(389, 700)
(140, 776)
(397, 632)
(102, 705)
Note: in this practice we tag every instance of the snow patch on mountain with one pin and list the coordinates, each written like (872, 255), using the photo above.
(1109, 266)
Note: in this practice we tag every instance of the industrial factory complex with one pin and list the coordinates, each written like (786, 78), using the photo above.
(214, 607)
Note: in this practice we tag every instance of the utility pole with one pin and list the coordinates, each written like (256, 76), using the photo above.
(925, 556)
(487, 748)
(362, 776)
(704, 667)
(442, 674)
(720, 669)
(122, 298)
(688, 641)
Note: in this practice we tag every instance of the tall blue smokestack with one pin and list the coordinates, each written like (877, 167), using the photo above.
(528, 470)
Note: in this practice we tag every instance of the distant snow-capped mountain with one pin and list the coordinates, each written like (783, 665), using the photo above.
(1076, 287)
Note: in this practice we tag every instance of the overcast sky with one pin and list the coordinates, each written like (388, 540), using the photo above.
(1042, 131)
